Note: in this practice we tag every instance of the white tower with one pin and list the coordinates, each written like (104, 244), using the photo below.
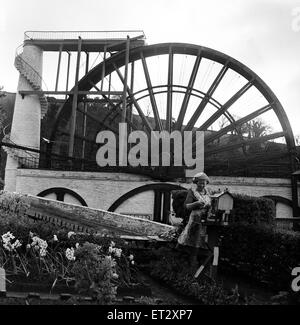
(26, 123)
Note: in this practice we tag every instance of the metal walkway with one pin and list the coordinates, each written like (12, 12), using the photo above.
(92, 41)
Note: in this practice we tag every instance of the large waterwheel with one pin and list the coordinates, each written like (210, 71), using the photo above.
(185, 87)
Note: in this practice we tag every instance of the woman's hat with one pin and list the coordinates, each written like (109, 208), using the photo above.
(200, 176)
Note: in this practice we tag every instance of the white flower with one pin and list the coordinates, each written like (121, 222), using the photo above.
(110, 260)
(16, 244)
(131, 257)
(43, 252)
(77, 245)
(71, 233)
(55, 238)
(114, 250)
(28, 246)
(118, 252)
(39, 245)
(115, 276)
(70, 254)
(7, 236)
(30, 234)
(132, 262)
(7, 244)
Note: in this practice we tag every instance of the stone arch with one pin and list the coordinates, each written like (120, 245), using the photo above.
(61, 193)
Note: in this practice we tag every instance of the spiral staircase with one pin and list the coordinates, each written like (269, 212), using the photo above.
(24, 157)
(34, 79)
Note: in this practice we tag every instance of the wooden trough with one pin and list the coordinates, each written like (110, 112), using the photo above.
(81, 218)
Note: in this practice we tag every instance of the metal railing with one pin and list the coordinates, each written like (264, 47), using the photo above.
(93, 35)
(58, 162)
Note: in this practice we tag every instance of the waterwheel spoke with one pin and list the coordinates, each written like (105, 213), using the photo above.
(117, 109)
(127, 118)
(225, 107)
(170, 93)
(108, 100)
(237, 123)
(206, 99)
(98, 120)
(158, 123)
(135, 103)
(187, 96)
(247, 142)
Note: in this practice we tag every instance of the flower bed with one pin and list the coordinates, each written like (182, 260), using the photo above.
(35, 252)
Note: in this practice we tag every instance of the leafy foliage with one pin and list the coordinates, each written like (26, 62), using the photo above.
(172, 267)
(262, 253)
(95, 272)
(253, 210)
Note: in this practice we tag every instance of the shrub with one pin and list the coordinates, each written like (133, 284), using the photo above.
(95, 272)
(253, 210)
(263, 253)
(173, 268)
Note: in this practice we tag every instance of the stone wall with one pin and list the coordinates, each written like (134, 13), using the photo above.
(101, 190)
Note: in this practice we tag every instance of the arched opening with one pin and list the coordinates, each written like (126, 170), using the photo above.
(63, 194)
(157, 202)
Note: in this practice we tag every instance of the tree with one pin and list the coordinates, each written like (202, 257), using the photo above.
(3, 114)
(257, 128)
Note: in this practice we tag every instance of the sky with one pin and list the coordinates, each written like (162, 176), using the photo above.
(262, 34)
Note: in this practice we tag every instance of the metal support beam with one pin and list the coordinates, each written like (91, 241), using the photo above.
(74, 102)
(130, 115)
(87, 61)
(103, 69)
(125, 79)
(68, 72)
(109, 85)
(84, 115)
(58, 66)
(170, 95)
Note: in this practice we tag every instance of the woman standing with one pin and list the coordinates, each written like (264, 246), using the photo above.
(198, 204)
